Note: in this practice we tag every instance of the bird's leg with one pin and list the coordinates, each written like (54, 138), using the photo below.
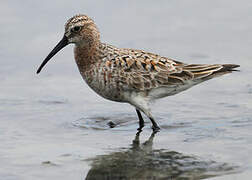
(141, 121)
(155, 127)
(142, 104)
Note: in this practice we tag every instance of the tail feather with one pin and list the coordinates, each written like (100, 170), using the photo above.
(226, 68)
(229, 67)
(205, 72)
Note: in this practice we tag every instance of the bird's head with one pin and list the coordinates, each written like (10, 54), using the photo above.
(79, 30)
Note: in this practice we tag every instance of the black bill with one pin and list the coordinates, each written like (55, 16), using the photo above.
(57, 48)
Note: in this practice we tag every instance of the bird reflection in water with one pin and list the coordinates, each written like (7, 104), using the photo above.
(142, 162)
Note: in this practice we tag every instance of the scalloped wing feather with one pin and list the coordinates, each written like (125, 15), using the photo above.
(140, 70)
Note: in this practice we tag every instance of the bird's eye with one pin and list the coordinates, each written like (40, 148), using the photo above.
(76, 29)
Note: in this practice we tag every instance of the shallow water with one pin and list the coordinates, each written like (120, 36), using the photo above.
(52, 126)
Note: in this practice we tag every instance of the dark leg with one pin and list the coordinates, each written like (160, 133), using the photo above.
(155, 127)
(141, 121)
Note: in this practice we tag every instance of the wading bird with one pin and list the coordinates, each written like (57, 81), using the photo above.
(127, 75)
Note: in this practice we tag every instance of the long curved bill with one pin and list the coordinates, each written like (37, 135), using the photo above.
(57, 48)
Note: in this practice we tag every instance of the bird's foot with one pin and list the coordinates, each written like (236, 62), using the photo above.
(155, 129)
(138, 132)
(140, 128)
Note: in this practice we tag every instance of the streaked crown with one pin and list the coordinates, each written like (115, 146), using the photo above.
(81, 29)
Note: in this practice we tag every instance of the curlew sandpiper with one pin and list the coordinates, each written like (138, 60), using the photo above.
(128, 75)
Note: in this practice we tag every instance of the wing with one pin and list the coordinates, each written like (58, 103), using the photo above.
(140, 70)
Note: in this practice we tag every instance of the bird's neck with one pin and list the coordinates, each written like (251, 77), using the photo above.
(87, 55)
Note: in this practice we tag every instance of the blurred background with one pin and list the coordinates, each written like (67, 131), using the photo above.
(52, 126)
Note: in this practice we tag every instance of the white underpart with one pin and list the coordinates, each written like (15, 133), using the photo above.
(142, 100)
(139, 101)
(161, 92)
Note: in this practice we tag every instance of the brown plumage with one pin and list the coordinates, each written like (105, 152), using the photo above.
(128, 75)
